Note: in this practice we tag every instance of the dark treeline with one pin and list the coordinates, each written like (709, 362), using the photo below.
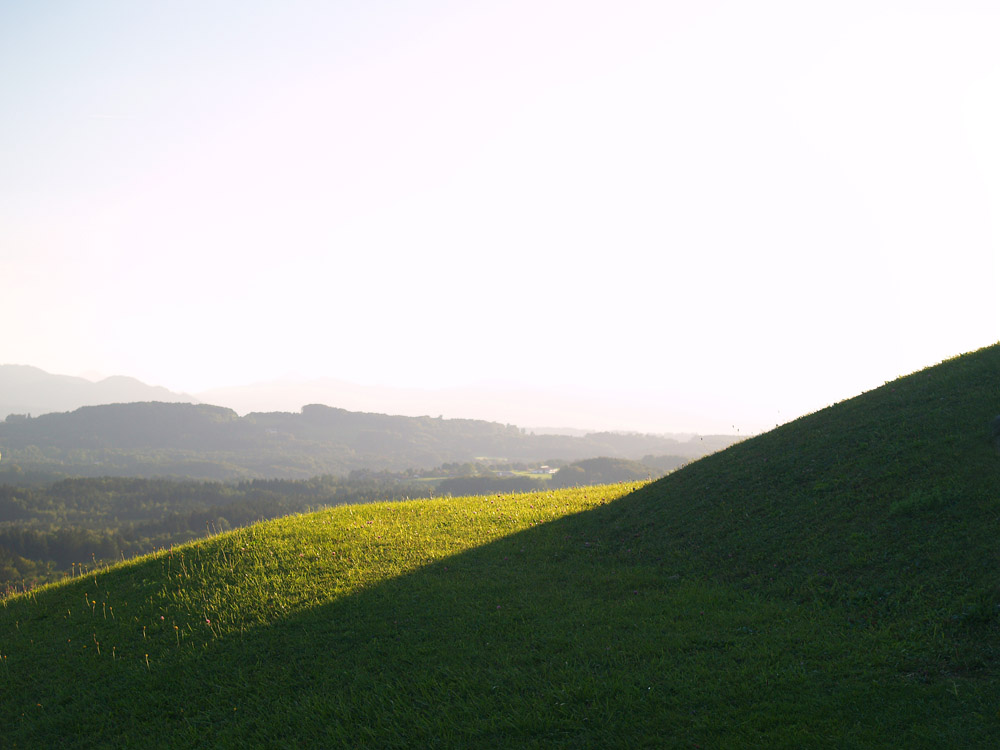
(610, 470)
(603, 470)
(212, 443)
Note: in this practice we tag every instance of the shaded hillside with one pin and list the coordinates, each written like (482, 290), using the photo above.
(211, 442)
(887, 505)
(830, 584)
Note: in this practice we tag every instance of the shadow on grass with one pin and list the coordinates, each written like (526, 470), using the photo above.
(574, 633)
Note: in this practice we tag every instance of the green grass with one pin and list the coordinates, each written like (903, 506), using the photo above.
(833, 583)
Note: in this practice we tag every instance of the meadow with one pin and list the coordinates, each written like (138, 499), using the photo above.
(832, 583)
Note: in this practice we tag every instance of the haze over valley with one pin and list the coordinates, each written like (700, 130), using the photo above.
(29, 390)
(669, 217)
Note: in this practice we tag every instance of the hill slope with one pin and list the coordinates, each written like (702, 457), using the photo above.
(830, 584)
(882, 503)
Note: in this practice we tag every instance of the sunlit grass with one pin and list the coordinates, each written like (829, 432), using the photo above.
(521, 620)
(830, 584)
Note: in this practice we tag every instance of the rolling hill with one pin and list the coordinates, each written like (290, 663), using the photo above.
(832, 583)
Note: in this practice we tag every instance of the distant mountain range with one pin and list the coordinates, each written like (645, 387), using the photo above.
(31, 391)
(57, 424)
(561, 412)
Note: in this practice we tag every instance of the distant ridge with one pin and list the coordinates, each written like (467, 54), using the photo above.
(201, 441)
(30, 390)
(538, 409)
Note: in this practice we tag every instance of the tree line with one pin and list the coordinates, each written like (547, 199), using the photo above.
(212, 443)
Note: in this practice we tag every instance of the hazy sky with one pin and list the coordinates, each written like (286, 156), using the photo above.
(740, 210)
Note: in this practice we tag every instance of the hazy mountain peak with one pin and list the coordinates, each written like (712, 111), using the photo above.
(25, 389)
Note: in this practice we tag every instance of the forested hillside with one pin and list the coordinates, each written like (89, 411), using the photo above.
(209, 442)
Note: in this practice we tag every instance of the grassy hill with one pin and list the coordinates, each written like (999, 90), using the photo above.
(833, 583)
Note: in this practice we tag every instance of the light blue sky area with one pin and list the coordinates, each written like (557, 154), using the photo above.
(738, 212)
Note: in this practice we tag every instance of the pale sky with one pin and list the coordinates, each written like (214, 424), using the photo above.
(737, 211)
